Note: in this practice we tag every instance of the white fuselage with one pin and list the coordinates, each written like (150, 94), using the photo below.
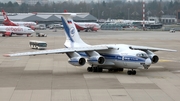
(28, 24)
(16, 29)
(88, 25)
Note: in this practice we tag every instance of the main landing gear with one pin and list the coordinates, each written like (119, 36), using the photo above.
(99, 69)
(94, 69)
(131, 72)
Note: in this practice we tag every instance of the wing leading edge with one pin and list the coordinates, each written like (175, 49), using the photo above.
(59, 51)
(153, 49)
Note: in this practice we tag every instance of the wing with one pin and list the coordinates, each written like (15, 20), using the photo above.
(59, 51)
(153, 49)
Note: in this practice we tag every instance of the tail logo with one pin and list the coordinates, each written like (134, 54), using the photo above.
(72, 31)
(5, 17)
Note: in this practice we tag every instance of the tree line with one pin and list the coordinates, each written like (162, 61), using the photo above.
(101, 10)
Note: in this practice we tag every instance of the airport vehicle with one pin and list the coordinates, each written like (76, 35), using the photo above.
(41, 26)
(8, 22)
(172, 30)
(34, 44)
(57, 26)
(87, 26)
(41, 34)
(114, 57)
(18, 30)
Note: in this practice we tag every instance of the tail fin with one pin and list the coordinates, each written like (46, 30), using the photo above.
(7, 21)
(5, 16)
(72, 36)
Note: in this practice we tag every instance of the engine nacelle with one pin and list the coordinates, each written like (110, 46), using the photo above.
(77, 61)
(96, 60)
(154, 58)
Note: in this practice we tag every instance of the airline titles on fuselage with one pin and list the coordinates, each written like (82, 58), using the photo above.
(14, 29)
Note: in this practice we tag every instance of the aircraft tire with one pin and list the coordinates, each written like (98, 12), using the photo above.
(99, 69)
(94, 69)
(120, 69)
(89, 69)
(134, 72)
(129, 72)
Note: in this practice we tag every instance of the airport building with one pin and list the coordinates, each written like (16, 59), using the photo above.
(178, 16)
(47, 18)
(165, 19)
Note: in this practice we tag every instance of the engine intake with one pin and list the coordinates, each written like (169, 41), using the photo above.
(77, 61)
(154, 59)
(96, 60)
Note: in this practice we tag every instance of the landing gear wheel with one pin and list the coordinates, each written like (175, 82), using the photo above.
(3, 35)
(129, 72)
(89, 69)
(99, 69)
(120, 69)
(133, 72)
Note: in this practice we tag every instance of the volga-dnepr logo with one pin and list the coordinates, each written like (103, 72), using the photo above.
(72, 31)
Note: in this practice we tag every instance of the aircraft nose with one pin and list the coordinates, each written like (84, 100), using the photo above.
(148, 61)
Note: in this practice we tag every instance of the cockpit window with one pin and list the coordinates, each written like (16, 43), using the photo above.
(142, 55)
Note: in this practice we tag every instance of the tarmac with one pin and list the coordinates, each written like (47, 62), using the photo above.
(52, 78)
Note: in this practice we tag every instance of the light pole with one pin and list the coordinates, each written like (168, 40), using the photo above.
(54, 10)
(110, 13)
(128, 13)
(28, 9)
(92, 11)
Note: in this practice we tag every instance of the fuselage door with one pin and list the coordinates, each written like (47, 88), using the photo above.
(124, 61)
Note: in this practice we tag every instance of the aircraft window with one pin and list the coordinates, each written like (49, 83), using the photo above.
(142, 55)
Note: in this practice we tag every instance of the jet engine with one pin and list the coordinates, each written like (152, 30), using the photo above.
(154, 58)
(96, 60)
(77, 61)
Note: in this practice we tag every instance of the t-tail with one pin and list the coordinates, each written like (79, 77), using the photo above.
(72, 36)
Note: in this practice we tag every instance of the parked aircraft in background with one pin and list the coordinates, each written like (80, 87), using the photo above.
(87, 26)
(18, 30)
(114, 57)
(8, 22)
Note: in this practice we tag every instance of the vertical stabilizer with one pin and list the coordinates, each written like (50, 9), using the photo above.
(7, 21)
(72, 36)
(5, 16)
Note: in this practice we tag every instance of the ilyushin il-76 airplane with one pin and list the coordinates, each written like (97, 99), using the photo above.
(114, 57)
(8, 22)
(18, 30)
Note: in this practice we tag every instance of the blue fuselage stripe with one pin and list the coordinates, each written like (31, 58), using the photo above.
(118, 57)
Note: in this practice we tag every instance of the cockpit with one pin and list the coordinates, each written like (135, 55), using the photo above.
(142, 55)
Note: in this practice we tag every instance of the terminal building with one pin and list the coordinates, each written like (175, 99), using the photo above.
(47, 18)
(178, 16)
(165, 19)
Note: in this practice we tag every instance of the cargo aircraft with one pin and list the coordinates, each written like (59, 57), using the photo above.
(8, 22)
(114, 57)
(18, 30)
